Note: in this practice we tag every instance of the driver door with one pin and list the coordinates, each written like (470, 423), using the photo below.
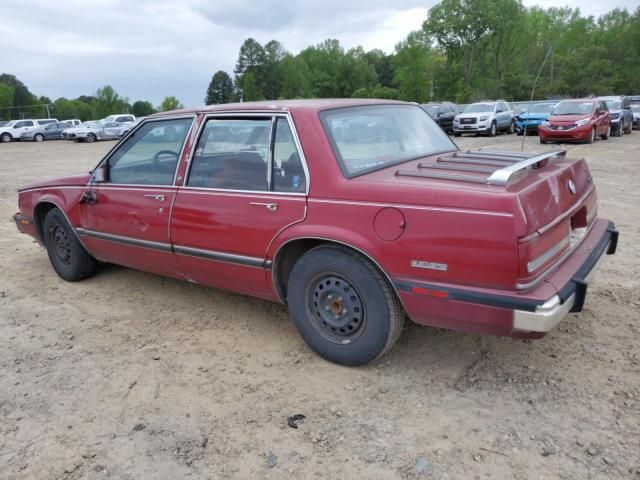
(126, 218)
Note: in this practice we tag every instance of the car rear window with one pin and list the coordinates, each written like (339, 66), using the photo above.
(373, 137)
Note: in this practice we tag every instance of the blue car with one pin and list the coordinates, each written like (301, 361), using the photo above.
(530, 119)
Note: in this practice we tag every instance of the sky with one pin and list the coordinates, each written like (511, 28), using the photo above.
(148, 49)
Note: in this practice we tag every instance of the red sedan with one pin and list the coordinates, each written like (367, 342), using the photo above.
(577, 121)
(354, 213)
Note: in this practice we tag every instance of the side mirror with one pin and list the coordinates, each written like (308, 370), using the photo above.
(99, 175)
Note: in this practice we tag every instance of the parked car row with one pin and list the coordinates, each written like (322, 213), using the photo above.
(38, 130)
(487, 117)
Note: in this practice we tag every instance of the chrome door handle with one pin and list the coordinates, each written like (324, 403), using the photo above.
(272, 207)
(160, 198)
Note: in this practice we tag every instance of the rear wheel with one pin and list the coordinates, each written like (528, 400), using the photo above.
(68, 257)
(606, 135)
(592, 135)
(6, 138)
(343, 307)
(38, 137)
(91, 137)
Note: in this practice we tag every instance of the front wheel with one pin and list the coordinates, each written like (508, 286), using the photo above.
(629, 128)
(457, 134)
(343, 307)
(592, 135)
(512, 128)
(68, 257)
(6, 138)
(606, 135)
(91, 137)
(493, 130)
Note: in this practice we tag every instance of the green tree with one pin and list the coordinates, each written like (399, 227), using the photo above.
(142, 108)
(274, 52)
(22, 97)
(251, 60)
(220, 89)
(6, 101)
(294, 78)
(170, 103)
(411, 63)
(108, 102)
(250, 89)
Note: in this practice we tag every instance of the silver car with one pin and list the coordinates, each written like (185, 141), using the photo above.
(487, 117)
(92, 131)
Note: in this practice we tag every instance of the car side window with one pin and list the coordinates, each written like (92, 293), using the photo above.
(149, 156)
(20, 125)
(232, 154)
(288, 173)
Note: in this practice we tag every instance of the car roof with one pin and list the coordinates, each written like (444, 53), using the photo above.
(285, 105)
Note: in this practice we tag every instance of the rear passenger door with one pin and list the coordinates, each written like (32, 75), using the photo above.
(246, 182)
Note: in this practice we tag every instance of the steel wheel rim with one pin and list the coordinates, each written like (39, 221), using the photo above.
(61, 244)
(335, 308)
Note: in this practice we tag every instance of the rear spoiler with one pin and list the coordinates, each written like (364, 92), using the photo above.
(490, 167)
(502, 176)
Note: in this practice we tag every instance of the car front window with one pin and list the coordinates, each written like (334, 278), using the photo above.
(573, 108)
(369, 138)
(150, 155)
(614, 104)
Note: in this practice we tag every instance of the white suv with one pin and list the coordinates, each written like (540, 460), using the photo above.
(486, 117)
(15, 128)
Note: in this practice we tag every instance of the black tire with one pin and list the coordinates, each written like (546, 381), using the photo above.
(343, 306)
(6, 137)
(606, 135)
(493, 130)
(38, 137)
(592, 136)
(67, 256)
(543, 141)
(629, 129)
(90, 138)
(457, 134)
(617, 132)
(512, 128)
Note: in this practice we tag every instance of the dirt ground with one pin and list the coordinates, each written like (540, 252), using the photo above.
(133, 376)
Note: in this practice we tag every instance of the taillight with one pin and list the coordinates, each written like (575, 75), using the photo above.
(540, 250)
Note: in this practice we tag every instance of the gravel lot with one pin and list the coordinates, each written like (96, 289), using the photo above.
(133, 376)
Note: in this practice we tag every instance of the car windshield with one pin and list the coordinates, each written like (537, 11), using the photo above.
(614, 104)
(10, 123)
(431, 109)
(479, 108)
(573, 108)
(540, 108)
(92, 124)
(369, 138)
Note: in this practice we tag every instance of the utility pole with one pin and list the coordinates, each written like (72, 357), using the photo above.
(47, 107)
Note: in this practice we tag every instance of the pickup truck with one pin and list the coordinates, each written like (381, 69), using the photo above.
(354, 213)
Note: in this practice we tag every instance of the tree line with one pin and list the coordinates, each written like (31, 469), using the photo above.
(465, 51)
(16, 101)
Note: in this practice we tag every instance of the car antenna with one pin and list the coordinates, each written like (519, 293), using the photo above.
(524, 128)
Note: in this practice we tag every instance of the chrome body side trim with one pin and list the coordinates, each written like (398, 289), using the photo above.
(412, 207)
(134, 242)
(223, 257)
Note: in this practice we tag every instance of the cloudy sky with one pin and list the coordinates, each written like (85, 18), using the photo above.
(147, 49)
